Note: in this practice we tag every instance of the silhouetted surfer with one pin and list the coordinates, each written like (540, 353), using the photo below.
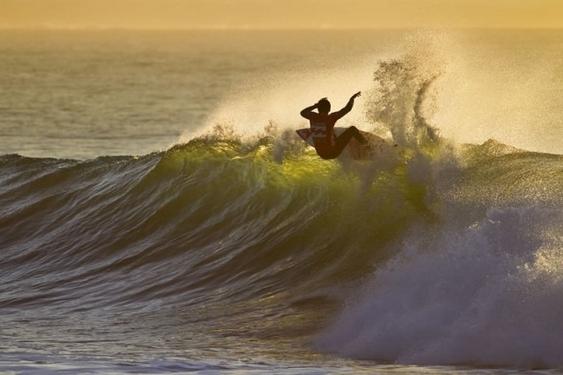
(327, 144)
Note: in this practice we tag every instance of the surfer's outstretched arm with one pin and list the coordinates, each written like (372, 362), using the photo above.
(347, 108)
(308, 112)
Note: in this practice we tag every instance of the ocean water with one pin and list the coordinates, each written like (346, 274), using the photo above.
(159, 214)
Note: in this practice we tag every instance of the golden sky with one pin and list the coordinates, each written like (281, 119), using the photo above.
(280, 13)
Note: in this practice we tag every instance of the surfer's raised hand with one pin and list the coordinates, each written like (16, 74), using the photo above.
(356, 95)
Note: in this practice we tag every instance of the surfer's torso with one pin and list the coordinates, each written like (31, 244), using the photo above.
(322, 129)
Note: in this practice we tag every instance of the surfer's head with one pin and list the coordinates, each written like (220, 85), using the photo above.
(323, 106)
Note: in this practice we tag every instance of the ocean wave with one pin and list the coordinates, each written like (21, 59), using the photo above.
(206, 216)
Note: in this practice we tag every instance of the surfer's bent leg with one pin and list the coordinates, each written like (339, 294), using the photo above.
(343, 139)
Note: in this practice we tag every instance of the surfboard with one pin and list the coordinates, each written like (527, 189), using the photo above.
(354, 149)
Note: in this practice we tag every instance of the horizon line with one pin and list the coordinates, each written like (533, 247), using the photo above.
(264, 28)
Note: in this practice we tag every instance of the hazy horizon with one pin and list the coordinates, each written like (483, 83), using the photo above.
(243, 28)
(269, 14)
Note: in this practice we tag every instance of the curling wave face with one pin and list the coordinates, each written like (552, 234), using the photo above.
(208, 220)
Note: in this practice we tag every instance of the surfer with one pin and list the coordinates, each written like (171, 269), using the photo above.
(327, 144)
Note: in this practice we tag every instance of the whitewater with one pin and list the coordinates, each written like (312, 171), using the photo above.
(236, 248)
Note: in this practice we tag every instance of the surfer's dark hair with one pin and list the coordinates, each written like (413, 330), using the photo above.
(323, 105)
